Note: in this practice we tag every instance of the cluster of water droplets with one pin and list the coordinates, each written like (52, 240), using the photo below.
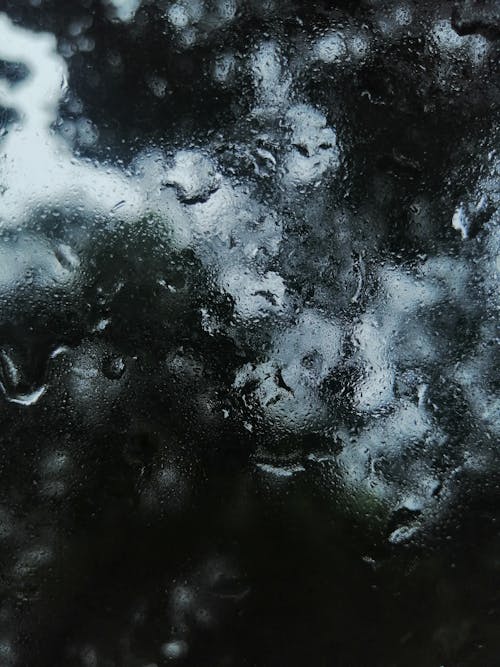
(363, 350)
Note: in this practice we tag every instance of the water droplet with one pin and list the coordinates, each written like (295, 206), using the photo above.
(66, 257)
(13, 383)
(114, 368)
(26, 399)
(194, 177)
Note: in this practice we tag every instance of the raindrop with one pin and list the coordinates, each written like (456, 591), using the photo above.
(13, 383)
(114, 368)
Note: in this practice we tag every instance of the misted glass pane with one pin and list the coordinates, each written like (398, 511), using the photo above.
(249, 360)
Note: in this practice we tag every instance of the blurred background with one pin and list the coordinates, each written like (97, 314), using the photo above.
(250, 399)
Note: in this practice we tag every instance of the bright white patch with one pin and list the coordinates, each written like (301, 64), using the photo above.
(445, 37)
(300, 359)
(460, 222)
(37, 167)
(313, 146)
(271, 79)
(194, 176)
(25, 399)
(178, 16)
(280, 471)
(330, 48)
(124, 10)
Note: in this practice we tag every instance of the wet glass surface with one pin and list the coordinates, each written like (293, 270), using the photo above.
(250, 399)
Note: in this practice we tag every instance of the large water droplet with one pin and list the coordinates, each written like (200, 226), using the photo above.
(193, 176)
(114, 368)
(13, 382)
